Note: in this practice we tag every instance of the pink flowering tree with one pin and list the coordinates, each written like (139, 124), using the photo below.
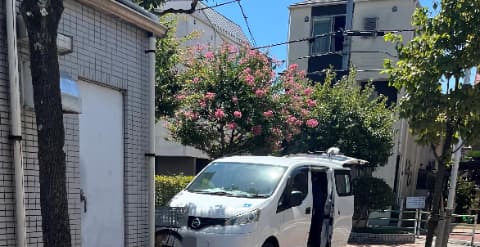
(231, 102)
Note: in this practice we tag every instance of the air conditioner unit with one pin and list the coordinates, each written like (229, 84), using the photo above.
(71, 98)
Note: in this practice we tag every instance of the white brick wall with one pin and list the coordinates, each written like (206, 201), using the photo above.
(109, 52)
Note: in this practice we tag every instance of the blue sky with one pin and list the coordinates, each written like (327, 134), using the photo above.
(268, 20)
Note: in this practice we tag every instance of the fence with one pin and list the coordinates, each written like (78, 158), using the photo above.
(462, 227)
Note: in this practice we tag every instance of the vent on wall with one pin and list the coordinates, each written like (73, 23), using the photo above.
(370, 23)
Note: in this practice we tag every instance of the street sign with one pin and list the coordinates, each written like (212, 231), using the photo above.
(415, 202)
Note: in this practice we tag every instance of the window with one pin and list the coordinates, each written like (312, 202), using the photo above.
(238, 180)
(327, 42)
(342, 182)
(298, 181)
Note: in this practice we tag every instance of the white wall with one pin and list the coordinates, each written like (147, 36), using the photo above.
(299, 29)
(387, 20)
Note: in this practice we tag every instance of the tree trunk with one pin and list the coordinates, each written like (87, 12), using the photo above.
(41, 19)
(439, 184)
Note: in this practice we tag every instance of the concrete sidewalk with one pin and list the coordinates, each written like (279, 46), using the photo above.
(420, 242)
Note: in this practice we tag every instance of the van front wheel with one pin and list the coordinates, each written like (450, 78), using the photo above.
(167, 239)
(269, 244)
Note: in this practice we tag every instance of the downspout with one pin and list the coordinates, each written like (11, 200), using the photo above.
(15, 121)
(151, 153)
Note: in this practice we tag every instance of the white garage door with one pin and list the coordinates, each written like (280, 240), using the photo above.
(101, 166)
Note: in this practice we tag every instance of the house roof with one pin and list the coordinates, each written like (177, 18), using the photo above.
(317, 2)
(129, 12)
(223, 25)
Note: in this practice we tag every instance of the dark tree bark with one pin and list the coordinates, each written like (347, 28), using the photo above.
(41, 18)
(439, 184)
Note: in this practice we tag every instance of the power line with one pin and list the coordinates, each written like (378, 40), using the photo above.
(352, 33)
(324, 71)
(246, 22)
(341, 53)
(217, 5)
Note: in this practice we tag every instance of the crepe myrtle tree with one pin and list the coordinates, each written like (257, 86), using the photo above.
(439, 106)
(232, 103)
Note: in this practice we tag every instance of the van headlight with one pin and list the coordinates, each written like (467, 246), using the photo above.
(245, 218)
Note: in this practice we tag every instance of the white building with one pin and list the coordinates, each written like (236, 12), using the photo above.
(367, 53)
(213, 30)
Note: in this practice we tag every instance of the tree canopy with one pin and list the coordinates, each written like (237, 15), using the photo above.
(439, 106)
(230, 102)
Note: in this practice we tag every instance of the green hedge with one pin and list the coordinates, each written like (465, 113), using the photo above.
(167, 186)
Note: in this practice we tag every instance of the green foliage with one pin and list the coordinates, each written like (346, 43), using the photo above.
(169, 54)
(475, 154)
(371, 194)
(430, 67)
(350, 118)
(465, 195)
(150, 4)
(168, 186)
(230, 103)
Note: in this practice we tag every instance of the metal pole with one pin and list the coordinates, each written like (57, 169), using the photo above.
(454, 174)
(348, 40)
(474, 229)
(400, 214)
(445, 231)
(415, 224)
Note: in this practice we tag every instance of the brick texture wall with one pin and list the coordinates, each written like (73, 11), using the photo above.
(108, 52)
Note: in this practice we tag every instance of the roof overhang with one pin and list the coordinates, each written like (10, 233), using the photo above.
(314, 4)
(128, 14)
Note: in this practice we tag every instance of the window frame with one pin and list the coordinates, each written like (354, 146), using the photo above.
(346, 174)
(331, 39)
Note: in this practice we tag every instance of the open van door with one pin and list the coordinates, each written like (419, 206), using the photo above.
(343, 208)
(295, 209)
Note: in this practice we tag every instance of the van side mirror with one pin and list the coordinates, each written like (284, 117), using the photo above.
(296, 198)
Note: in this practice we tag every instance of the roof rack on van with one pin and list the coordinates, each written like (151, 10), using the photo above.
(332, 153)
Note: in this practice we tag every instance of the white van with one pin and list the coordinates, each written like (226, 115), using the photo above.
(264, 201)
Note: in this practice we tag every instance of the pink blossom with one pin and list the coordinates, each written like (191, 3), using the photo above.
(312, 123)
(305, 112)
(250, 79)
(196, 80)
(237, 114)
(268, 114)
(180, 97)
(276, 131)
(210, 96)
(311, 103)
(234, 99)
(232, 125)
(252, 53)
(203, 104)
(191, 115)
(257, 130)
(291, 119)
(260, 93)
(308, 91)
(298, 123)
(232, 49)
(209, 55)
(219, 114)
(293, 67)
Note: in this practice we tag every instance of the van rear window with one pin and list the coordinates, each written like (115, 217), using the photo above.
(342, 183)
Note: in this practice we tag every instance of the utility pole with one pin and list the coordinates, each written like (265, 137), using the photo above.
(347, 47)
(444, 230)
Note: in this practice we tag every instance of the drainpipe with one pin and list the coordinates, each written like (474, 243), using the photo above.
(151, 155)
(15, 121)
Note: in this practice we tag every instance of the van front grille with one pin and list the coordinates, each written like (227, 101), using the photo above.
(198, 223)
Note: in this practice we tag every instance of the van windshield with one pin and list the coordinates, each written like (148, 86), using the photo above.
(238, 180)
